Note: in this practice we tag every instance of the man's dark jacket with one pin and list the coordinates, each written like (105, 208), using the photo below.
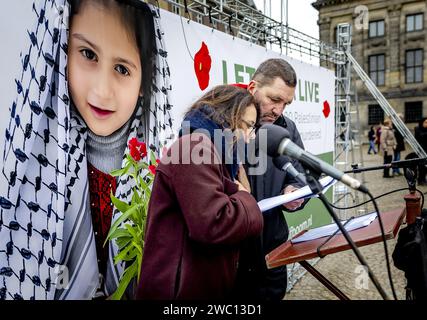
(254, 280)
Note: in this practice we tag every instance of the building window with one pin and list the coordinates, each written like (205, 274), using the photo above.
(377, 69)
(414, 22)
(375, 114)
(176, 8)
(199, 18)
(414, 66)
(376, 29)
(413, 111)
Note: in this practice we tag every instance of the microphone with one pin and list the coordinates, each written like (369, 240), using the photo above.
(284, 163)
(278, 143)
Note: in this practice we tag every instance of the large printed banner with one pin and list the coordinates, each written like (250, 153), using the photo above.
(191, 45)
(234, 60)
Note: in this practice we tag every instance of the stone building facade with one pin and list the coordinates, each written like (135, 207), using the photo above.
(389, 42)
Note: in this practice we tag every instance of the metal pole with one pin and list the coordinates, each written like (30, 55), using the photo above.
(269, 10)
(287, 28)
(281, 26)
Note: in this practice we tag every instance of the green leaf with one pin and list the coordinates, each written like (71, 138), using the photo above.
(123, 242)
(131, 230)
(119, 204)
(145, 187)
(130, 159)
(142, 165)
(118, 233)
(128, 275)
(123, 217)
(133, 253)
(139, 266)
(135, 197)
(152, 157)
(138, 247)
(122, 254)
(120, 172)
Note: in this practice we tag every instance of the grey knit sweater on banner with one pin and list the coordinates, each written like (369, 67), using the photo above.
(106, 153)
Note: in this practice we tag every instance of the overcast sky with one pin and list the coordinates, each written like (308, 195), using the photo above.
(302, 16)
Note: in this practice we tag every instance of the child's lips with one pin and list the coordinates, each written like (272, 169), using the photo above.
(100, 113)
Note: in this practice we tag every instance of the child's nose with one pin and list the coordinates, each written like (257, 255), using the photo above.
(103, 86)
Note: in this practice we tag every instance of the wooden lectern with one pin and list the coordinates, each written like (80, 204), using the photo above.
(290, 252)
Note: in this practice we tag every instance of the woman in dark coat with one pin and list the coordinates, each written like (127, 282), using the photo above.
(421, 136)
(199, 212)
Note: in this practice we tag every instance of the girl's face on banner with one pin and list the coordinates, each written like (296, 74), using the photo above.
(104, 68)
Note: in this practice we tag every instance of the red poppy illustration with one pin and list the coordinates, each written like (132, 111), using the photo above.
(202, 66)
(137, 150)
(326, 109)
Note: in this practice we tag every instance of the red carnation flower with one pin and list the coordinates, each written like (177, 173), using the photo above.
(202, 66)
(152, 168)
(326, 109)
(137, 150)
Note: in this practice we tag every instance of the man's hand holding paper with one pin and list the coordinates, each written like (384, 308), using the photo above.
(295, 204)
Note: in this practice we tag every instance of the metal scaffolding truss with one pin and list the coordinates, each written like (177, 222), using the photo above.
(347, 126)
(243, 21)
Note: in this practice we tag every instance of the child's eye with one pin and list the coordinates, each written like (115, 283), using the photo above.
(88, 54)
(122, 70)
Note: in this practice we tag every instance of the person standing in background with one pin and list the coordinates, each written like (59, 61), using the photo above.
(388, 145)
(421, 136)
(378, 137)
(371, 137)
(399, 147)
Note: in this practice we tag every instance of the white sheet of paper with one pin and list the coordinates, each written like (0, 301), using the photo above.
(304, 192)
(330, 229)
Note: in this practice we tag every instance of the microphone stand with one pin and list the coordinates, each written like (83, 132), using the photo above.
(316, 188)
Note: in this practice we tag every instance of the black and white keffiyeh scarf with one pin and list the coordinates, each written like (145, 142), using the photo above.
(47, 247)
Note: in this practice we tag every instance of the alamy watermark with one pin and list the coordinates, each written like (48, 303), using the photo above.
(361, 281)
(230, 147)
(361, 21)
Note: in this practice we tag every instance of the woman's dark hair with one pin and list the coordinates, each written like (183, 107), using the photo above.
(228, 104)
(138, 20)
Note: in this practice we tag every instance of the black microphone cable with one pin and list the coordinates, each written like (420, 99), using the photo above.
(380, 196)
(380, 220)
(373, 200)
